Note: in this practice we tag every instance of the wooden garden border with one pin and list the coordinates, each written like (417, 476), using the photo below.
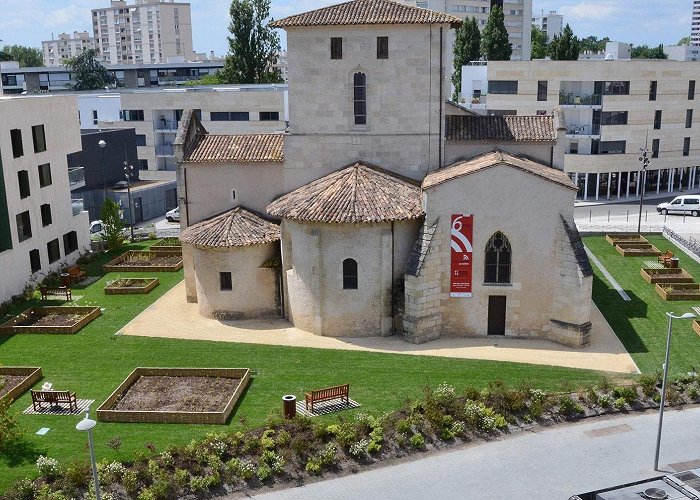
(112, 266)
(629, 249)
(678, 286)
(106, 414)
(89, 313)
(616, 238)
(33, 374)
(149, 284)
(666, 275)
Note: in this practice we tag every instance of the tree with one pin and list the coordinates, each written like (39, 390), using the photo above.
(538, 40)
(25, 56)
(214, 79)
(88, 72)
(565, 47)
(494, 40)
(684, 41)
(592, 44)
(646, 52)
(112, 224)
(253, 46)
(467, 48)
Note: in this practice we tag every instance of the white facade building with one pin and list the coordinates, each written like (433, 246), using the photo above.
(695, 26)
(41, 230)
(682, 52)
(149, 31)
(551, 23)
(66, 46)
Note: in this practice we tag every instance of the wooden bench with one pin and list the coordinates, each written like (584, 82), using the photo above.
(341, 392)
(76, 274)
(61, 290)
(665, 258)
(54, 398)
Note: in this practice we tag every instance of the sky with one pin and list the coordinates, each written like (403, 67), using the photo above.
(651, 22)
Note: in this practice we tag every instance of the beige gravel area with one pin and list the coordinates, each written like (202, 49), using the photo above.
(172, 317)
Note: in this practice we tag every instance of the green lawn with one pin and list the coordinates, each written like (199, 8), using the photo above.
(642, 323)
(95, 361)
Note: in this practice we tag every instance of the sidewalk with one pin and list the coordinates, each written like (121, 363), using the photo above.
(544, 464)
(592, 202)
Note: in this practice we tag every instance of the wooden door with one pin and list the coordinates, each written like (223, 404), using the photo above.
(497, 315)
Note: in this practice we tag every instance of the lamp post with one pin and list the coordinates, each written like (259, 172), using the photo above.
(127, 174)
(102, 145)
(671, 317)
(86, 425)
(645, 164)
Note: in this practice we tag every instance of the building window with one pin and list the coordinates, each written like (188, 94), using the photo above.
(23, 181)
(46, 214)
(686, 146)
(45, 175)
(336, 48)
(140, 139)
(349, 274)
(498, 257)
(133, 115)
(53, 250)
(35, 260)
(612, 147)
(542, 90)
(613, 118)
(70, 242)
(382, 47)
(94, 117)
(616, 88)
(225, 282)
(652, 90)
(16, 138)
(691, 90)
(39, 138)
(657, 119)
(503, 86)
(269, 116)
(143, 164)
(24, 226)
(229, 116)
(359, 81)
(688, 118)
(655, 148)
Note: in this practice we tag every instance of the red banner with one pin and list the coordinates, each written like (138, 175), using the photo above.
(461, 255)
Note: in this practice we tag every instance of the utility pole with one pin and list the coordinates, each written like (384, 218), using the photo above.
(645, 163)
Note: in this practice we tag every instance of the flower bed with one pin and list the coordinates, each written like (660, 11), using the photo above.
(666, 275)
(145, 261)
(17, 380)
(629, 249)
(50, 319)
(167, 245)
(614, 239)
(126, 286)
(176, 395)
(678, 291)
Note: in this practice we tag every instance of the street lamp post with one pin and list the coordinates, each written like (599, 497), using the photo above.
(86, 425)
(102, 145)
(671, 317)
(645, 164)
(127, 173)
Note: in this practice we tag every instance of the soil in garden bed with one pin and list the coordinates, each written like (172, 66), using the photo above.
(50, 320)
(162, 393)
(10, 382)
(158, 260)
(129, 283)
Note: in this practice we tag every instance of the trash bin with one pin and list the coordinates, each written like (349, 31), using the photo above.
(65, 279)
(674, 263)
(289, 406)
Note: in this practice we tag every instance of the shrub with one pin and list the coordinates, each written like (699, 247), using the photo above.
(648, 384)
(693, 390)
(359, 448)
(23, 490)
(181, 478)
(199, 484)
(274, 461)
(110, 472)
(241, 469)
(404, 426)
(418, 441)
(620, 403)
(628, 393)
(264, 472)
(130, 482)
(48, 467)
(568, 407)
(483, 418)
(9, 432)
(605, 401)
(322, 459)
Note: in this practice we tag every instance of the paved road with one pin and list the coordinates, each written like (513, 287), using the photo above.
(552, 463)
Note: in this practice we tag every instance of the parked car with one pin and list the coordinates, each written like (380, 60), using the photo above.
(96, 227)
(689, 204)
(173, 215)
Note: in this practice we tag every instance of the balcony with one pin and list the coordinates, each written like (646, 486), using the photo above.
(76, 177)
(573, 131)
(166, 125)
(77, 206)
(580, 100)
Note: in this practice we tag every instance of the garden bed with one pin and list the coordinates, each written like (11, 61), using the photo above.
(167, 245)
(678, 291)
(50, 319)
(145, 261)
(176, 395)
(628, 249)
(666, 275)
(127, 286)
(17, 380)
(614, 239)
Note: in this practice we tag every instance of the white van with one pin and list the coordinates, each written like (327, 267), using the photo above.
(689, 204)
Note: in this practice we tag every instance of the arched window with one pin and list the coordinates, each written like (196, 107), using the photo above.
(497, 262)
(359, 95)
(349, 274)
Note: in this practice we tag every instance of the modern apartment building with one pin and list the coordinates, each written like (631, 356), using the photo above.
(66, 46)
(611, 110)
(517, 17)
(551, 23)
(41, 229)
(695, 24)
(148, 31)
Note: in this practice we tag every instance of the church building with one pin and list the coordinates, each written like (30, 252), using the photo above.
(381, 210)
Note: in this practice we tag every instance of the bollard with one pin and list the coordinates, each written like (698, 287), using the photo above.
(608, 215)
(683, 216)
(646, 215)
(628, 215)
(590, 214)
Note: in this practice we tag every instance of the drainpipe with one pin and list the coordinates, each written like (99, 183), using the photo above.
(187, 200)
(440, 112)
(393, 309)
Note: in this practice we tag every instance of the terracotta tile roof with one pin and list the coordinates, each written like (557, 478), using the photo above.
(357, 193)
(243, 148)
(234, 228)
(493, 159)
(508, 128)
(367, 12)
